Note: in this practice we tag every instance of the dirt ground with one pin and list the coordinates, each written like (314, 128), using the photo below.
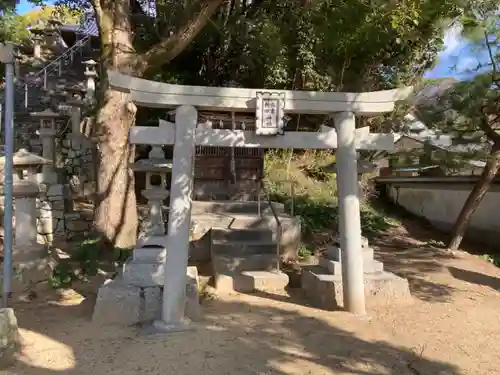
(451, 327)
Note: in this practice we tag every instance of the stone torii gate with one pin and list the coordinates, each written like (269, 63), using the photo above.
(270, 107)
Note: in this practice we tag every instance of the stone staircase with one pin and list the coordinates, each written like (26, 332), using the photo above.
(42, 83)
(241, 247)
(246, 254)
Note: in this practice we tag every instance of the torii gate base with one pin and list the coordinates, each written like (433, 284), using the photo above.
(322, 284)
(186, 133)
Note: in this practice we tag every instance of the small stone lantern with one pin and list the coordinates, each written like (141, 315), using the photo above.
(37, 42)
(91, 74)
(23, 160)
(76, 94)
(47, 134)
(156, 168)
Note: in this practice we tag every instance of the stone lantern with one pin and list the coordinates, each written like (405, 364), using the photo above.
(51, 32)
(146, 266)
(23, 160)
(37, 42)
(91, 74)
(156, 168)
(47, 134)
(76, 94)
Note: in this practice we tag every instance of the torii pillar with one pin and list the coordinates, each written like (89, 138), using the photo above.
(349, 214)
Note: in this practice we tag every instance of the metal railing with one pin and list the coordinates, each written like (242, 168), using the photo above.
(55, 66)
(292, 184)
(279, 228)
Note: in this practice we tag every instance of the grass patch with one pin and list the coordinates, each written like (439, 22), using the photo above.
(315, 198)
(87, 259)
(492, 258)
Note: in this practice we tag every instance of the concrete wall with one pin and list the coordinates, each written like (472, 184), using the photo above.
(440, 200)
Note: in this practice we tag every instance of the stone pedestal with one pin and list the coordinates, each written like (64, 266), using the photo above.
(50, 205)
(146, 268)
(121, 303)
(29, 255)
(323, 283)
(156, 168)
(48, 152)
(25, 193)
(154, 227)
(47, 134)
(76, 133)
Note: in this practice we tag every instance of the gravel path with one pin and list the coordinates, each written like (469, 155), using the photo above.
(452, 327)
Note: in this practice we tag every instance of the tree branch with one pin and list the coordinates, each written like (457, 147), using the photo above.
(492, 59)
(171, 46)
(485, 126)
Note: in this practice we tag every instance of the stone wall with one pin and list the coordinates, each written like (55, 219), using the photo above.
(69, 146)
(440, 199)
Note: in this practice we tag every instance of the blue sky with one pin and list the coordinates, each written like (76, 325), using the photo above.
(25, 6)
(458, 59)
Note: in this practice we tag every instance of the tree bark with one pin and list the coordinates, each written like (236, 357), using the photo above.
(116, 216)
(116, 219)
(475, 197)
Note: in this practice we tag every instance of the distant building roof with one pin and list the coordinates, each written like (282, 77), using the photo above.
(88, 24)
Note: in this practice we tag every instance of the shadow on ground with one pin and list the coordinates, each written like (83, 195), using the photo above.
(235, 338)
(415, 264)
(475, 277)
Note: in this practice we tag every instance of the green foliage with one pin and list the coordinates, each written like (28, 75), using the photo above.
(493, 259)
(7, 6)
(304, 252)
(14, 27)
(87, 260)
(315, 199)
(63, 275)
(327, 45)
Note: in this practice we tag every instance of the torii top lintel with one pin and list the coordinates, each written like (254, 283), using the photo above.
(162, 95)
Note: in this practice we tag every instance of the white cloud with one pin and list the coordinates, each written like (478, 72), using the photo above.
(452, 40)
(467, 63)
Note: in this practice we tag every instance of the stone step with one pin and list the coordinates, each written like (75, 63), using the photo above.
(364, 242)
(335, 267)
(334, 253)
(250, 281)
(234, 207)
(290, 228)
(223, 263)
(243, 235)
(120, 303)
(235, 248)
(267, 221)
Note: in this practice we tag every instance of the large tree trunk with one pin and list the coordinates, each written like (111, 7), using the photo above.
(474, 199)
(116, 216)
(116, 219)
